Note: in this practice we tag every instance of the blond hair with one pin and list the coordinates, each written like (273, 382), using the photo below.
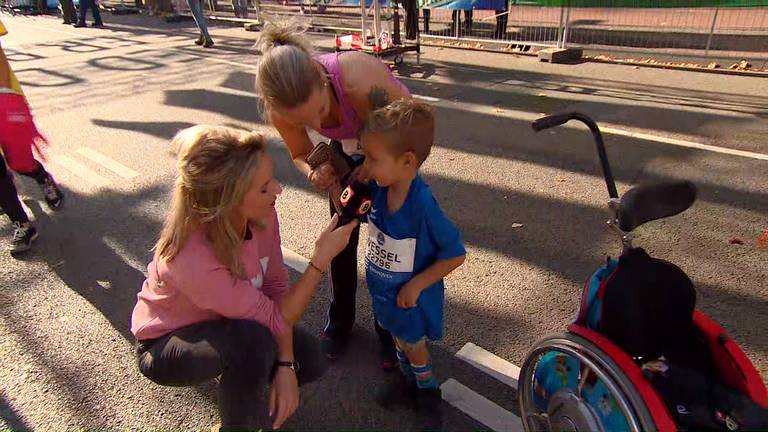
(286, 75)
(410, 123)
(215, 166)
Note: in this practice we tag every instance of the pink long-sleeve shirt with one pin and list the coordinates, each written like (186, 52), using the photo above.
(195, 287)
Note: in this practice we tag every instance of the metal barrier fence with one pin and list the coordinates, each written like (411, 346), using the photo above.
(628, 26)
(726, 32)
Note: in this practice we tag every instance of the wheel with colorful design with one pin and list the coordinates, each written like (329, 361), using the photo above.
(567, 383)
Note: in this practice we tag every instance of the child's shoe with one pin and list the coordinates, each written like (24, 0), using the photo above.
(429, 403)
(429, 399)
(53, 195)
(333, 344)
(396, 393)
(23, 236)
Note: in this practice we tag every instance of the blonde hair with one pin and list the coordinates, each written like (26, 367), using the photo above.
(286, 74)
(410, 123)
(215, 166)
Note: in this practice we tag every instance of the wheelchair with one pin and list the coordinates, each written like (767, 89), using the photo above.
(636, 329)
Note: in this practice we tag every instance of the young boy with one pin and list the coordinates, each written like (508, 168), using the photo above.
(411, 245)
(18, 134)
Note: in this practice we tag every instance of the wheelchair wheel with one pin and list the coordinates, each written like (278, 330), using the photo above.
(567, 383)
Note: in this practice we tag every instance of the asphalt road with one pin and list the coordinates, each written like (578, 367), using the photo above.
(123, 92)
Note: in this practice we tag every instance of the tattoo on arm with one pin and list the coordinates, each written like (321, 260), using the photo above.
(378, 98)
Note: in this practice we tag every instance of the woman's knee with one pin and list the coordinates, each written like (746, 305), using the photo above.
(312, 362)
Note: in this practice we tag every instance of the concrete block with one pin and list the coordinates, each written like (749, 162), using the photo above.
(560, 55)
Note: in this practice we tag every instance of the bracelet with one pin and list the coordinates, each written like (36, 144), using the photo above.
(311, 264)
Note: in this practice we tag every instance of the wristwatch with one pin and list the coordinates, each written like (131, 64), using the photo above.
(293, 365)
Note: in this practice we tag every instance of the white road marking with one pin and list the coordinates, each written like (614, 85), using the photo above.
(108, 163)
(426, 98)
(82, 171)
(490, 363)
(606, 128)
(506, 113)
(480, 408)
(294, 260)
(684, 143)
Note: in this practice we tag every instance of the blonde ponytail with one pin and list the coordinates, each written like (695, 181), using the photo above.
(286, 74)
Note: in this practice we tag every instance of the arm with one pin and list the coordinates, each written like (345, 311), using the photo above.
(450, 252)
(299, 145)
(369, 83)
(297, 140)
(410, 292)
(5, 71)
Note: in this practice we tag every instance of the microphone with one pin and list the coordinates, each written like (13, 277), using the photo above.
(356, 201)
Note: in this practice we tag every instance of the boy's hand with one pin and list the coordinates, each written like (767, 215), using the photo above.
(408, 295)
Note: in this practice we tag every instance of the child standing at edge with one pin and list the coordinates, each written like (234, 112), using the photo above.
(18, 134)
(411, 246)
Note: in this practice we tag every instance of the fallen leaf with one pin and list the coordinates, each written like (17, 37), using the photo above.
(762, 241)
(562, 180)
(713, 65)
(736, 241)
(517, 225)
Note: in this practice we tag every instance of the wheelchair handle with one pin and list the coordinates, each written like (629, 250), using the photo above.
(562, 118)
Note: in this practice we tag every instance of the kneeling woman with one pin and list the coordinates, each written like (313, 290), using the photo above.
(217, 300)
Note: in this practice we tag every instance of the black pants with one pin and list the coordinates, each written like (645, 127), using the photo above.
(242, 352)
(89, 4)
(501, 22)
(9, 196)
(411, 19)
(341, 314)
(68, 11)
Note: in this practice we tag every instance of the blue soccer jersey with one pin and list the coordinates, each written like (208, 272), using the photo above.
(401, 245)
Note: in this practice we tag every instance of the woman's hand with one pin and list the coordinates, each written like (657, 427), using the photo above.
(332, 241)
(283, 396)
(323, 177)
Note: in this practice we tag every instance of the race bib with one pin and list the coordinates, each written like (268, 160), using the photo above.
(390, 254)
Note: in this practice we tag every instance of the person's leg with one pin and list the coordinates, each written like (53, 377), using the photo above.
(387, 350)
(411, 19)
(306, 349)
(82, 10)
(239, 351)
(401, 389)
(341, 314)
(196, 7)
(24, 232)
(96, 15)
(68, 12)
(429, 394)
(468, 20)
(19, 135)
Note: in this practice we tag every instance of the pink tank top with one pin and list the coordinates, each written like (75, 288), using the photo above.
(351, 124)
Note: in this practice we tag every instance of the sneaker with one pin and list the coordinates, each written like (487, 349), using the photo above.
(98, 26)
(53, 195)
(208, 43)
(78, 25)
(398, 393)
(199, 40)
(429, 403)
(334, 344)
(23, 236)
(429, 399)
